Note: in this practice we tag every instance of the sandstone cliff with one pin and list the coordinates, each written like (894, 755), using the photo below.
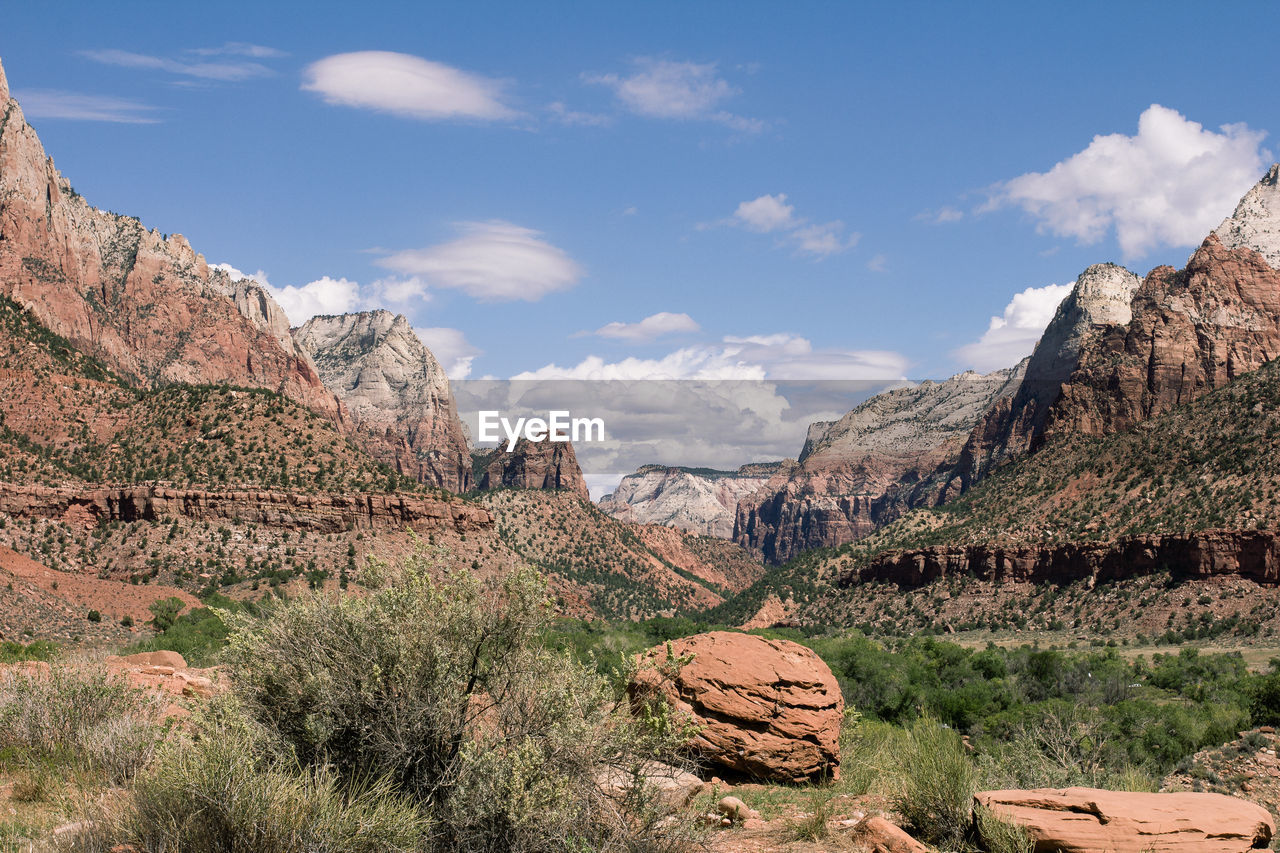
(549, 465)
(1251, 554)
(697, 500)
(1103, 366)
(891, 452)
(87, 506)
(396, 392)
(143, 302)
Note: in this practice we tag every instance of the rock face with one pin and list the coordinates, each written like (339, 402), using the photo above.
(694, 499)
(549, 465)
(768, 709)
(320, 513)
(891, 452)
(1255, 224)
(1086, 820)
(144, 303)
(1101, 367)
(396, 392)
(1252, 554)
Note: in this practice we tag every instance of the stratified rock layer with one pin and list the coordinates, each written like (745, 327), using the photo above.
(698, 501)
(396, 392)
(892, 452)
(768, 709)
(143, 302)
(1253, 554)
(549, 465)
(1088, 820)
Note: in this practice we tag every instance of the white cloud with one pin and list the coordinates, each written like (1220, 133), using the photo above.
(492, 261)
(49, 103)
(651, 327)
(879, 263)
(451, 348)
(406, 85)
(780, 356)
(323, 296)
(1169, 185)
(564, 115)
(768, 214)
(662, 88)
(1013, 335)
(239, 48)
(227, 72)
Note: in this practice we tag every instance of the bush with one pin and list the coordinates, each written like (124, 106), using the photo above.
(443, 689)
(1000, 836)
(228, 788)
(69, 717)
(937, 786)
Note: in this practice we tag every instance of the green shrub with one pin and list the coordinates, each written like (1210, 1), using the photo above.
(937, 785)
(1001, 836)
(444, 689)
(228, 788)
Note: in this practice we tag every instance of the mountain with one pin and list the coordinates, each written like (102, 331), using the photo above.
(860, 472)
(395, 391)
(1103, 366)
(546, 465)
(699, 500)
(144, 303)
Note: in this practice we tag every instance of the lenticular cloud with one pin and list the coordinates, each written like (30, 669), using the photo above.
(1168, 185)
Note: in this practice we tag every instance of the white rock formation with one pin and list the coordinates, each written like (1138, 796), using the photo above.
(1256, 221)
(697, 500)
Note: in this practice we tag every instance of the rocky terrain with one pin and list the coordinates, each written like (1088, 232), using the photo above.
(1246, 768)
(396, 393)
(699, 500)
(144, 303)
(546, 465)
(861, 472)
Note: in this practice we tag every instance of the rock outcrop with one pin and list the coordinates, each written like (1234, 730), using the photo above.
(314, 512)
(698, 500)
(145, 303)
(396, 392)
(892, 452)
(548, 465)
(767, 709)
(1102, 366)
(1086, 820)
(1252, 554)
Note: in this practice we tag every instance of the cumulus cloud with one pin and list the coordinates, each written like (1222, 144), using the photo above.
(323, 296)
(226, 71)
(650, 328)
(663, 88)
(757, 357)
(771, 214)
(405, 85)
(451, 348)
(1013, 335)
(1168, 185)
(51, 103)
(492, 261)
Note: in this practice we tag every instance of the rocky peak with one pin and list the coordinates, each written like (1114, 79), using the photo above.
(700, 501)
(145, 303)
(1255, 224)
(547, 465)
(396, 391)
(1101, 297)
(4, 86)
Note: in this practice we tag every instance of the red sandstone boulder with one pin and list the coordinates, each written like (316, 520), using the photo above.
(1087, 820)
(769, 709)
(878, 835)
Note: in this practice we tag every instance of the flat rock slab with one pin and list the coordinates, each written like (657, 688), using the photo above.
(1088, 820)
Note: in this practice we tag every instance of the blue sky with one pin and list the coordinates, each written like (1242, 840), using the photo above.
(786, 191)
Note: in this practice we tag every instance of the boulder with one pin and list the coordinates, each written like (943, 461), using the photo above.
(766, 709)
(675, 787)
(1087, 820)
(173, 660)
(877, 835)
